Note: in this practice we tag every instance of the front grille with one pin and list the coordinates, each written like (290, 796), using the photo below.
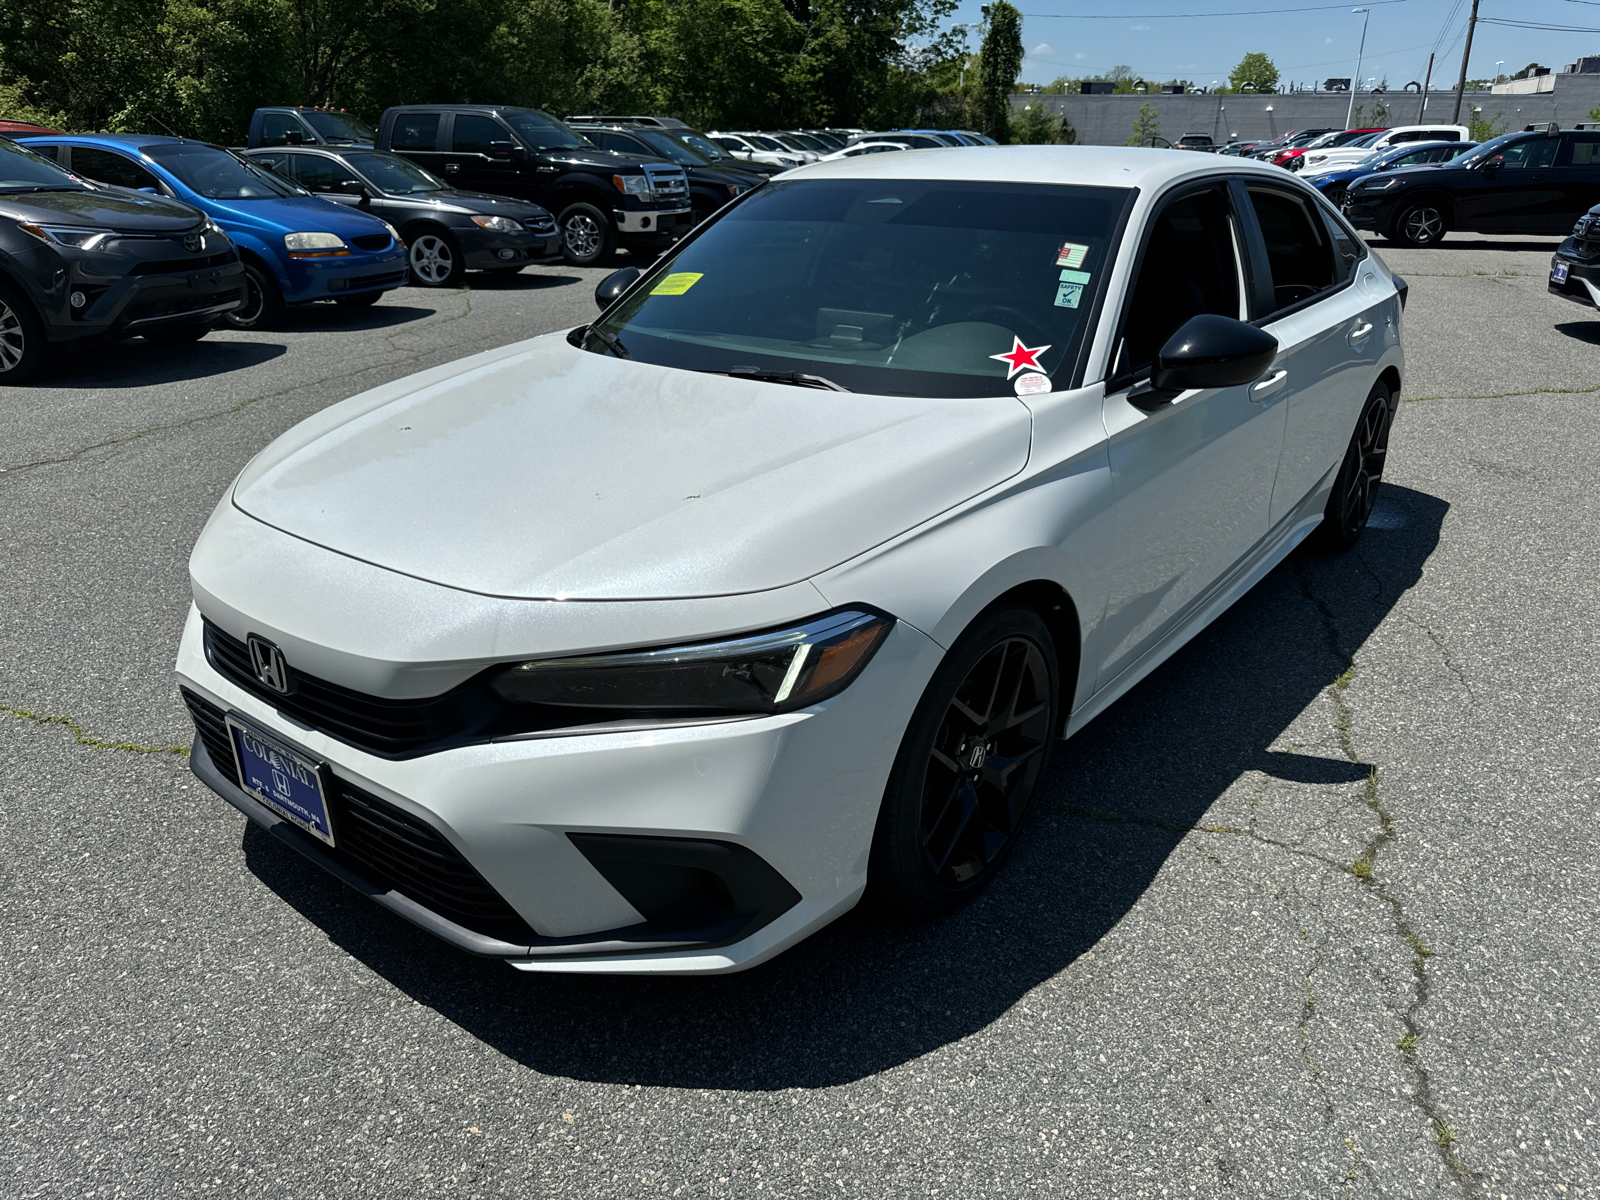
(546, 225)
(371, 241)
(667, 183)
(387, 846)
(386, 279)
(163, 266)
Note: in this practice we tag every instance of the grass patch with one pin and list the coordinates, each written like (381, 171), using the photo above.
(1443, 1134)
(83, 739)
(1418, 945)
(1407, 1042)
(1361, 868)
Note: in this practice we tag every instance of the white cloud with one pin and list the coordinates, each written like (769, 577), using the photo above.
(1043, 48)
(1080, 56)
(1327, 41)
(1138, 28)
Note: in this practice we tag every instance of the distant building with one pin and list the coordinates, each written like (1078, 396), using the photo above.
(1585, 66)
(1096, 87)
(1336, 85)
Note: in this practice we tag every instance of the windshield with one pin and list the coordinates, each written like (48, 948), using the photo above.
(894, 287)
(764, 143)
(212, 172)
(672, 148)
(393, 174)
(705, 145)
(542, 131)
(22, 168)
(810, 143)
(339, 127)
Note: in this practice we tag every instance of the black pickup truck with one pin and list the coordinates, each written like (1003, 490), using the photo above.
(287, 125)
(601, 199)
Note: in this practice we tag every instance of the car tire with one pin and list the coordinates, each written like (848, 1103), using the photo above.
(1337, 194)
(23, 350)
(967, 766)
(435, 258)
(1419, 224)
(588, 238)
(364, 300)
(263, 301)
(178, 335)
(702, 214)
(1355, 487)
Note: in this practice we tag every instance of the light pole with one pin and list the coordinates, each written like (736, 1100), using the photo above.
(1350, 112)
(1498, 63)
(961, 83)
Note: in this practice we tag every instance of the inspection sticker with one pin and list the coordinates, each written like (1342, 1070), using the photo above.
(1070, 290)
(1032, 384)
(676, 284)
(1071, 254)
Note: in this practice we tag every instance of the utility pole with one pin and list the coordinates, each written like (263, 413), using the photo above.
(1426, 80)
(1355, 84)
(1466, 53)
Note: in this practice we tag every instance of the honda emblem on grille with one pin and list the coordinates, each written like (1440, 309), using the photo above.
(267, 662)
(192, 243)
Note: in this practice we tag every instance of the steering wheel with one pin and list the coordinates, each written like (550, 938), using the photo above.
(1013, 319)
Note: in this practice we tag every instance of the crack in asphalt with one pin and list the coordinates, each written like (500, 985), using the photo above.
(1543, 391)
(84, 739)
(188, 422)
(1365, 870)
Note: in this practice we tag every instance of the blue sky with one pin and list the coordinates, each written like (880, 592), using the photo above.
(1189, 39)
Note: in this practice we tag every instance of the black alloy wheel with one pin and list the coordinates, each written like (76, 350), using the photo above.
(1338, 195)
(968, 765)
(588, 238)
(1419, 225)
(1355, 488)
(23, 349)
(263, 302)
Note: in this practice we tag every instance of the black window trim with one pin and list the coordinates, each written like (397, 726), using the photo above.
(1258, 249)
(1125, 380)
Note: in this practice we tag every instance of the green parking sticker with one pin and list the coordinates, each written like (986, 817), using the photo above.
(1070, 288)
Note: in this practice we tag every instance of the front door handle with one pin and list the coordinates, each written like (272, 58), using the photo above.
(450, 168)
(1267, 386)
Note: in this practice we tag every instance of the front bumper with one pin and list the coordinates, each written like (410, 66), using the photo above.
(312, 279)
(134, 303)
(774, 813)
(1369, 212)
(654, 223)
(484, 250)
(1582, 285)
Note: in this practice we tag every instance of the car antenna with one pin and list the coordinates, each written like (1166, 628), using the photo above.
(169, 129)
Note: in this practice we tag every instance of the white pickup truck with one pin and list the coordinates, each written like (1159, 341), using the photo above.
(1334, 158)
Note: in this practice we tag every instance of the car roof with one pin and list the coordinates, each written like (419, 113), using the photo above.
(463, 108)
(1102, 166)
(127, 141)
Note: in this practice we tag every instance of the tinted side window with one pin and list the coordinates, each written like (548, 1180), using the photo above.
(415, 131)
(474, 135)
(319, 174)
(276, 162)
(281, 129)
(1534, 153)
(111, 168)
(1189, 267)
(1299, 253)
(53, 153)
(1348, 249)
(616, 141)
(1585, 150)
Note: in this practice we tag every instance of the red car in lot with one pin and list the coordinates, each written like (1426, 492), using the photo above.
(16, 129)
(1290, 157)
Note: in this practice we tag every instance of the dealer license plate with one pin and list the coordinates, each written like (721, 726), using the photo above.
(284, 779)
(1558, 273)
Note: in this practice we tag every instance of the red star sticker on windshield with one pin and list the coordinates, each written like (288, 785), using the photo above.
(1021, 357)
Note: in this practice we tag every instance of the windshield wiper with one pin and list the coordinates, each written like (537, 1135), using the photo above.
(794, 378)
(610, 341)
(43, 187)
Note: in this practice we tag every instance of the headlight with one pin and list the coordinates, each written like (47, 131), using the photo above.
(737, 189)
(1387, 185)
(765, 673)
(632, 185)
(314, 245)
(393, 232)
(497, 224)
(215, 230)
(78, 239)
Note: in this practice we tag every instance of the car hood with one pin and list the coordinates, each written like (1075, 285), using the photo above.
(542, 471)
(290, 214)
(111, 207)
(476, 202)
(596, 160)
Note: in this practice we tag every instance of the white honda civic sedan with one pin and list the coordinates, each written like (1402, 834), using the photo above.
(653, 646)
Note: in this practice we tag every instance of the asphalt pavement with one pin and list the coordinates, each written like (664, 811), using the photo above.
(1311, 912)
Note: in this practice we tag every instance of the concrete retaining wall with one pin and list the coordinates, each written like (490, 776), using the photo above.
(1108, 120)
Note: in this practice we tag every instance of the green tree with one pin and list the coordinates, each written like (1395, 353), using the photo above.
(1257, 70)
(1480, 129)
(1035, 125)
(999, 62)
(1146, 125)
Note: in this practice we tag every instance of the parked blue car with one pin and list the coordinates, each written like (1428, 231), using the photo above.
(1334, 184)
(296, 248)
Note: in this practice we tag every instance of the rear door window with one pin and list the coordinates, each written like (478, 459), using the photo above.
(1533, 154)
(107, 167)
(1582, 149)
(1300, 255)
(319, 174)
(415, 131)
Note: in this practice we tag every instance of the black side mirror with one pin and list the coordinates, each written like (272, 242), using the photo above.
(1497, 161)
(1208, 351)
(614, 284)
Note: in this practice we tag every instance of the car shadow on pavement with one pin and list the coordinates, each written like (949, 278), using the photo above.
(869, 992)
(1583, 331)
(315, 318)
(136, 364)
(523, 281)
